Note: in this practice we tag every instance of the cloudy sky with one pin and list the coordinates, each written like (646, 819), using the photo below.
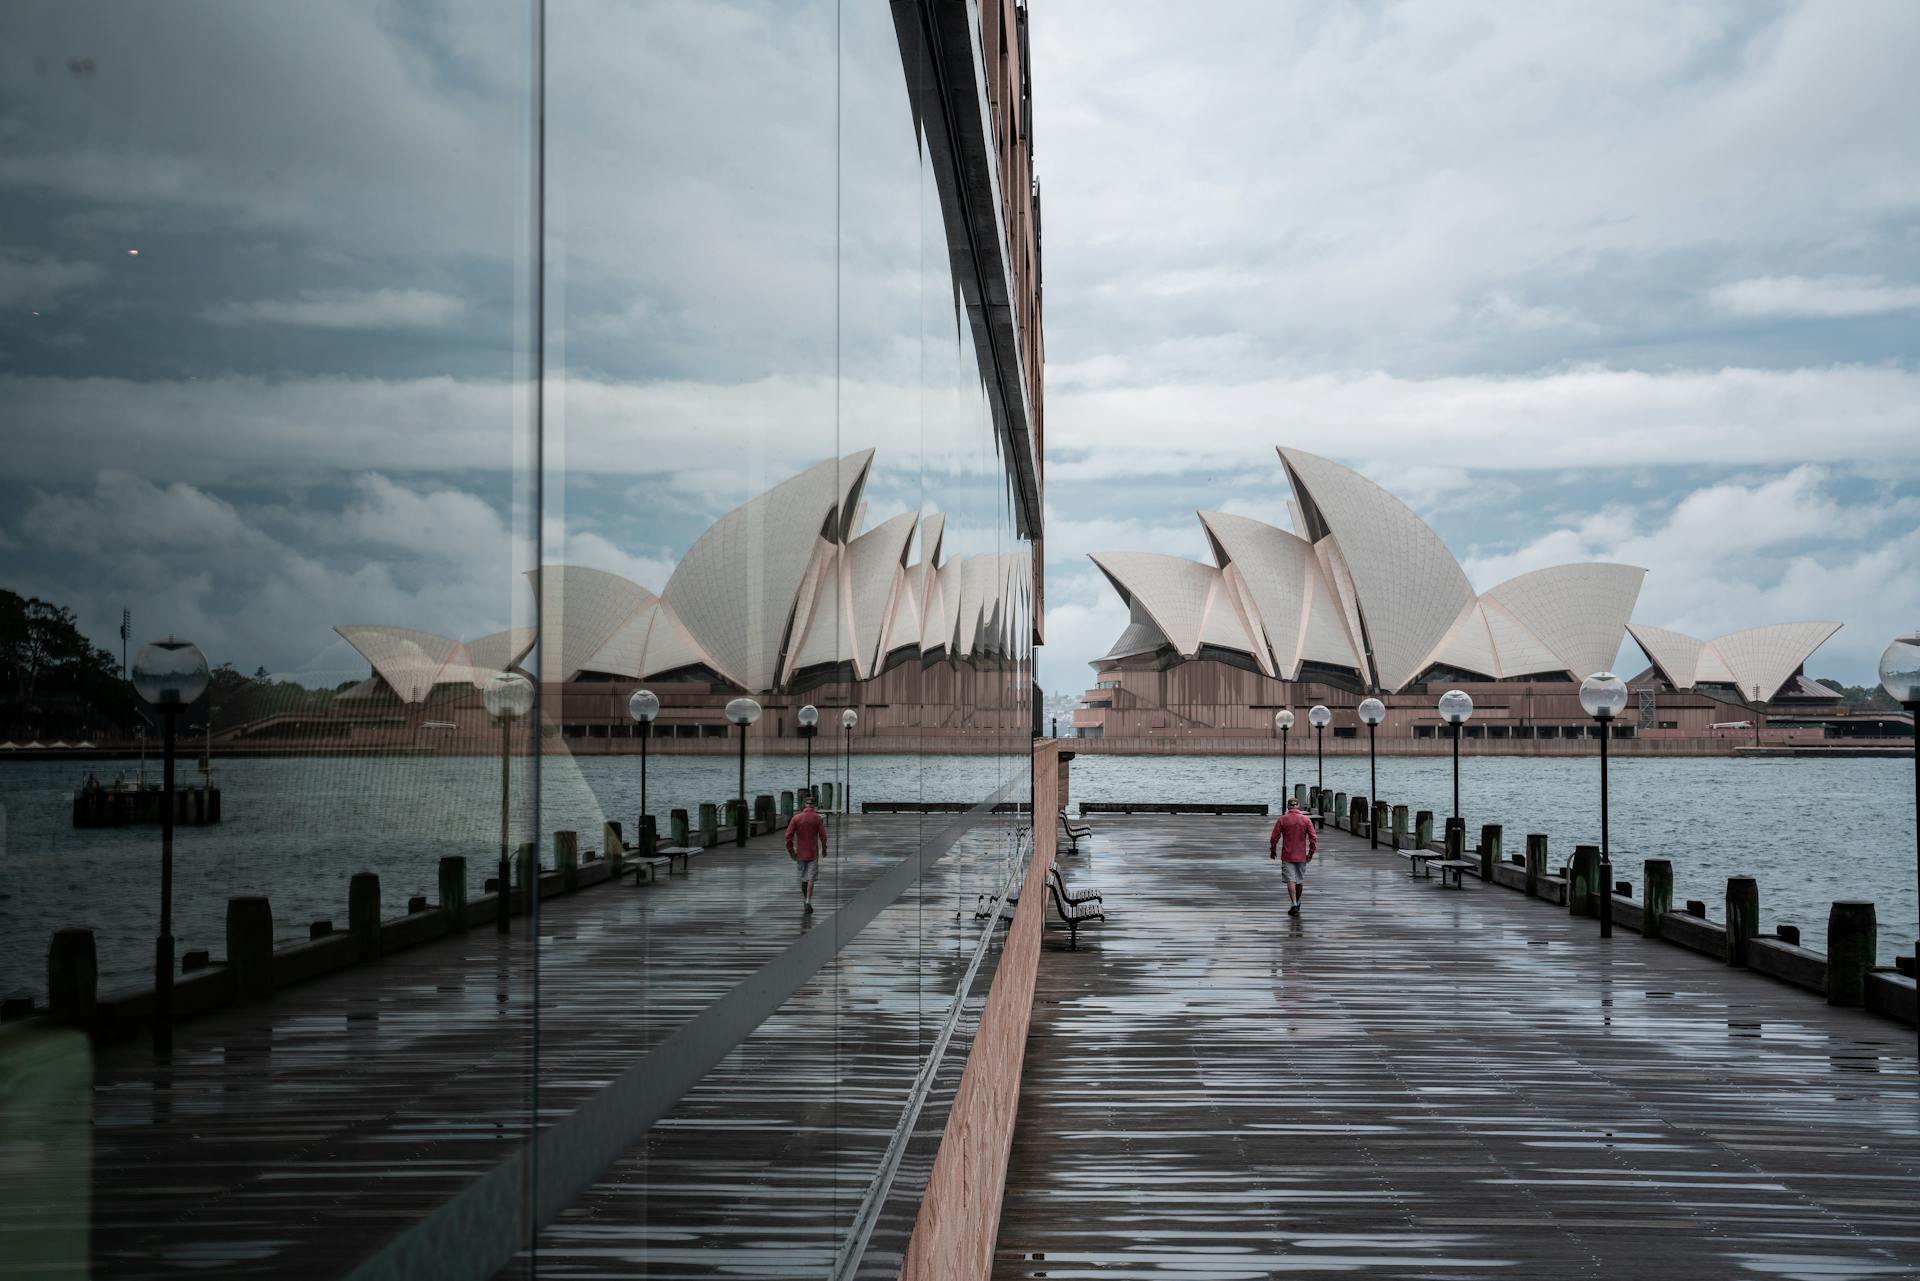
(1622, 282)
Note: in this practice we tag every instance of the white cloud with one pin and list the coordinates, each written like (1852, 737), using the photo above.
(1821, 296)
(374, 309)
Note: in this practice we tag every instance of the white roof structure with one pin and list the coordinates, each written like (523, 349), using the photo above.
(1369, 588)
(1758, 658)
(414, 663)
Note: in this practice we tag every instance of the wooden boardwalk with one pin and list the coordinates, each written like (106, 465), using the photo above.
(1416, 1082)
(295, 1138)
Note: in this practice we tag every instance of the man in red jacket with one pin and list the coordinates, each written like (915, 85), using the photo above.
(806, 846)
(1294, 839)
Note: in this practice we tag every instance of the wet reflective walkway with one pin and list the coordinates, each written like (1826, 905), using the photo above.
(1416, 1082)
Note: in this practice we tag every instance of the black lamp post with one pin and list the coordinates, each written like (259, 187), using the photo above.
(1456, 707)
(1900, 677)
(1283, 721)
(848, 719)
(1319, 717)
(809, 726)
(643, 707)
(508, 696)
(1604, 695)
(170, 674)
(742, 712)
(1372, 711)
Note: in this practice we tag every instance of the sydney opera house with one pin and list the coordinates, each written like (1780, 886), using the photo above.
(1366, 599)
(786, 598)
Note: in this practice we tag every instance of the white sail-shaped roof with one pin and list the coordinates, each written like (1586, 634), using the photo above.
(1676, 654)
(1172, 589)
(580, 609)
(1141, 636)
(1579, 612)
(498, 651)
(1407, 586)
(1468, 645)
(1759, 659)
(876, 572)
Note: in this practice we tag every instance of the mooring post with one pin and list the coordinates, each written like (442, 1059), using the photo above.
(1853, 941)
(786, 805)
(709, 823)
(526, 872)
(250, 944)
(1743, 916)
(1454, 839)
(677, 828)
(1422, 829)
(1339, 807)
(1491, 838)
(763, 812)
(1356, 814)
(613, 846)
(363, 913)
(736, 812)
(1300, 793)
(453, 888)
(1583, 881)
(73, 977)
(823, 797)
(566, 859)
(1536, 861)
(1380, 822)
(1399, 827)
(1657, 874)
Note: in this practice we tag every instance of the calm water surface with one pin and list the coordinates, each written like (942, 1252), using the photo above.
(296, 830)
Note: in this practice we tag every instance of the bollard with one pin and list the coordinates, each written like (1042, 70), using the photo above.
(73, 977)
(1852, 945)
(648, 840)
(1743, 916)
(566, 859)
(1357, 814)
(763, 812)
(613, 846)
(1491, 837)
(1623, 888)
(1422, 829)
(1300, 794)
(1787, 934)
(1697, 907)
(823, 797)
(677, 829)
(736, 814)
(1536, 861)
(526, 875)
(250, 945)
(1659, 880)
(709, 823)
(1380, 821)
(417, 903)
(198, 959)
(1339, 807)
(319, 929)
(786, 806)
(1455, 840)
(1583, 881)
(363, 913)
(453, 888)
(1399, 827)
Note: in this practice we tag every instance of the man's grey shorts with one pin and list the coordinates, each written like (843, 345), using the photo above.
(1293, 872)
(807, 866)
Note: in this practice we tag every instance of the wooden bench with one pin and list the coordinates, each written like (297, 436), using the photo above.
(1076, 832)
(1073, 915)
(1076, 897)
(1420, 862)
(1457, 868)
(643, 869)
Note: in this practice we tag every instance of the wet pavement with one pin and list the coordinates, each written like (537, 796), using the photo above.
(1410, 1081)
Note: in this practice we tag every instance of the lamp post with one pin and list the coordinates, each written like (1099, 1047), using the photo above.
(643, 707)
(1319, 717)
(742, 712)
(848, 719)
(1604, 695)
(809, 726)
(508, 696)
(1900, 677)
(1283, 721)
(1372, 712)
(170, 674)
(1456, 707)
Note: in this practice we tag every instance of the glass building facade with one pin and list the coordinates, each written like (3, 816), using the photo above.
(391, 351)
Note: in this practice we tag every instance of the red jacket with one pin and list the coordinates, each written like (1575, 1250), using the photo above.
(807, 835)
(1296, 830)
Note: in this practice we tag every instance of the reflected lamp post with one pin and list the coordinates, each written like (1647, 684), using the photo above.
(1319, 717)
(1604, 696)
(1283, 721)
(1455, 708)
(742, 712)
(169, 674)
(1372, 712)
(809, 726)
(848, 719)
(643, 707)
(1900, 677)
(508, 696)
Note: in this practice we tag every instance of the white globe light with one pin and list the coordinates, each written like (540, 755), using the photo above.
(849, 718)
(643, 706)
(170, 672)
(1320, 716)
(1283, 719)
(743, 711)
(508, 695)
(809, 715)
(1900, 670)
(1603, 695)
(1456, 706)
(1372, 711)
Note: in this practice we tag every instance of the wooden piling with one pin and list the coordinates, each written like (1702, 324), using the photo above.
(453, 888)
(763, 812)
(613, 846)
(1356, 814)
(736, 815)
(1657, 874)
(73, 977)
(709, 823)
(1422, 829)
(1536, 861)
(1492, 837)
(363, 913)
(1339, 807)
(1300, 794)
(319, 929)
(250, 944)
(786, 805)
(677, 829)
(1399, 827)
(1382, 819)
(1455, 839)
(1743, 917)
(1583, 881)
(526, 875)
(566, 859)
(647, 841)
(1852, 946)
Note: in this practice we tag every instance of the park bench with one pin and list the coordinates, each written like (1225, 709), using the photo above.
(1420, 862)
(1455, 868)
(1073, 896)
(1073, 915)
(645, 869)
(1076, 832)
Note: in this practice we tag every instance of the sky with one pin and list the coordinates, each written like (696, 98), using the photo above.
(1632, 282)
